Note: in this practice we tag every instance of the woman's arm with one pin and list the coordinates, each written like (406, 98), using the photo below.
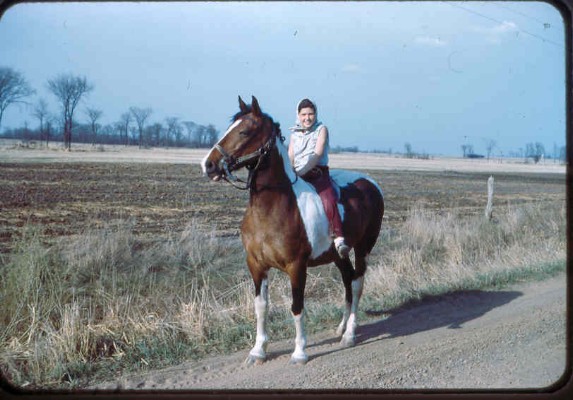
(318, 151)
(291, 152)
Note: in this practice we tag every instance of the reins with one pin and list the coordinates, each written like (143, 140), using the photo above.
(229, 163)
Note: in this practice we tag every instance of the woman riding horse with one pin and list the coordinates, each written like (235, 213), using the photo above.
(285, 226)
(308, 153)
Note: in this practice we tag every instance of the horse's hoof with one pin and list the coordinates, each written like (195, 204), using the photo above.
(348, 341)
(252, 360)
(298, 361)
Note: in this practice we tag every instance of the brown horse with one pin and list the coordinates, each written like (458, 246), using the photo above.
(285, 226)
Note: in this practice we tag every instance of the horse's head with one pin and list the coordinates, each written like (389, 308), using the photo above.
(251, 136)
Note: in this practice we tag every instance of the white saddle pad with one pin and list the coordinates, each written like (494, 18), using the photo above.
(312, 211)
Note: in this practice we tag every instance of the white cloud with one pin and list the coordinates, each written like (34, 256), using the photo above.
(351, 68)
(430, 41)
(495, 33)
(505, 26)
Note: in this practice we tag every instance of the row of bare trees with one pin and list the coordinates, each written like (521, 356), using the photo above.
(133, 126)
(534, 151)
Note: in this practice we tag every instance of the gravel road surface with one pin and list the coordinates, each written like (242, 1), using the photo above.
(513, 338)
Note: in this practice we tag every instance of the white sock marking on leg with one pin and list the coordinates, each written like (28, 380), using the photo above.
(300, 339)
(342, 326)
(261, 311)
(357, 286)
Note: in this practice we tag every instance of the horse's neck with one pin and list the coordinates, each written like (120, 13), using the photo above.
(278, 174)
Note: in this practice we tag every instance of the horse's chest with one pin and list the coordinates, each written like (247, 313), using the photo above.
(297, 221)
(269, 219)
(273, 237)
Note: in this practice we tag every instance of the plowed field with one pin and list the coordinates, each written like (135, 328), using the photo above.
(66, 198)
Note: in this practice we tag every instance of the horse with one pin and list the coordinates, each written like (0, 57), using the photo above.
(284, 225)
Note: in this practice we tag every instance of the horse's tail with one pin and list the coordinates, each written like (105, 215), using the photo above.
(376, 204)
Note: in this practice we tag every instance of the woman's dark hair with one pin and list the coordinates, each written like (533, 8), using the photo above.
(306, 103)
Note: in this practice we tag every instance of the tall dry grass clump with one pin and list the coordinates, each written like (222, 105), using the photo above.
(107, 300)
(436, 253)
(105, 295)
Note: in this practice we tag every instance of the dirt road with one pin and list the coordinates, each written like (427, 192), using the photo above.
(509, 338)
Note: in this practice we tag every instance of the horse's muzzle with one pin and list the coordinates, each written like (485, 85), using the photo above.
(212, 170)
(209, 167)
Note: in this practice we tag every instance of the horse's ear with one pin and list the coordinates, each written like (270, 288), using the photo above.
(255, 106)
(242, 105)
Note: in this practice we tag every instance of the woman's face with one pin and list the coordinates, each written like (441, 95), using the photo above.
(306, 117)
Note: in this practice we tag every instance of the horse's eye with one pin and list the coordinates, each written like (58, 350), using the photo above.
(244, 133)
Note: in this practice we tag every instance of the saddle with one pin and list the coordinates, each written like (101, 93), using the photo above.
(313, 174)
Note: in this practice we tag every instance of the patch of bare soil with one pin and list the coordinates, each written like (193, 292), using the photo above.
(514, 338)
(65, 198)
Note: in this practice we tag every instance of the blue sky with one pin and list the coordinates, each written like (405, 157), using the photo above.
(436, 75)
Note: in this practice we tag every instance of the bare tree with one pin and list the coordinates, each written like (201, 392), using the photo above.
(178, 133)
(154, 133)
(489, 146)
(470, 149)
(13, 89)
(200, 135)
(94, 115)
(190, 126)
(563, 154)
(140, 115)
(540, 150)
(133, 132)
(535, 151)
(69, 90)
(173, 129)
(211, 135)
(123, 126)
(41, 112)
(408, 150)
(49, 124)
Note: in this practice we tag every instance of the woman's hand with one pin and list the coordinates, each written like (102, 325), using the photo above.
(318, 152)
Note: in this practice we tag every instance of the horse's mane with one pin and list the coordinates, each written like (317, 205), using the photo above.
(238, 115)
(248, 110)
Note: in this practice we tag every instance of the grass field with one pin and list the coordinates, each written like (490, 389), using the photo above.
(133, 261)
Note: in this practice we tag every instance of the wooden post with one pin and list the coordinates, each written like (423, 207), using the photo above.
(489, 207)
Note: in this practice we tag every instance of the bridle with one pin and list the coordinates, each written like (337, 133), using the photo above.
(229, 163)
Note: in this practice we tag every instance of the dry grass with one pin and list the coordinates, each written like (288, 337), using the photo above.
(103, 301)
(433, 254)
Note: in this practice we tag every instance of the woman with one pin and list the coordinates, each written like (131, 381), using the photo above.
(308, 153)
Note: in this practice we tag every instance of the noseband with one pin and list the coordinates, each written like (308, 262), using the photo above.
(229, 163)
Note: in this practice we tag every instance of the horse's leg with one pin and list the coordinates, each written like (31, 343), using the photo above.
(298, 282)
(345, 267)
(349, 337)
(258, 352)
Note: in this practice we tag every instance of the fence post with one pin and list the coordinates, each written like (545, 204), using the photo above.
(489, 207)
